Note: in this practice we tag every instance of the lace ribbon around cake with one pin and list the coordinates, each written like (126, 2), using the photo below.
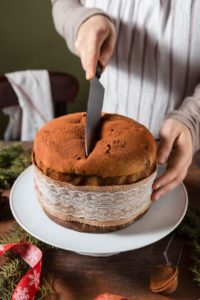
(104, 205)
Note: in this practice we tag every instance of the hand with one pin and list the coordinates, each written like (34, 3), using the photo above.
(95, 41)
(176, 150)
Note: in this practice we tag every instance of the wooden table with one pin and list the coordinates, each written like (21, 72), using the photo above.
(82, 277)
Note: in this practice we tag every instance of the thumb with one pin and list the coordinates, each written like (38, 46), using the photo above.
(107, 50)
(90, 55)
(89, 59)
(165, 147)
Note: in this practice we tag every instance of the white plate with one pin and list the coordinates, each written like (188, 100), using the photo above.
(160, 220)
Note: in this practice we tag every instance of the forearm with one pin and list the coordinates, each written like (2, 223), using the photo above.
(68, 15)
(189, 114)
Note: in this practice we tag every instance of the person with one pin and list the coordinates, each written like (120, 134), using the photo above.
(150, 52)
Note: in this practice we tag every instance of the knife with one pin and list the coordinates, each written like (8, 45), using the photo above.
(94, 108)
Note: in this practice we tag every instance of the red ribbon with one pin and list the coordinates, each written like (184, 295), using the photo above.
(30, 282)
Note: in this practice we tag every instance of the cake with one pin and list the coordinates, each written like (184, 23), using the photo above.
(105, 191)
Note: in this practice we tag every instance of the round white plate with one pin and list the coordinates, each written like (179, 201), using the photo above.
(163, 216)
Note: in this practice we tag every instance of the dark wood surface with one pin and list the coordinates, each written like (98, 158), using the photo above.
(80, 277)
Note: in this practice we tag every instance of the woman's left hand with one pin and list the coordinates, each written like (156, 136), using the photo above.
(176, 150)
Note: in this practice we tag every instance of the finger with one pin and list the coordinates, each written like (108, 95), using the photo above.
(107, 50)
(169, 175)
(168, 135)
(168, 187)
(90, 54)
(177, 166)
(89, 59)
(165, 148)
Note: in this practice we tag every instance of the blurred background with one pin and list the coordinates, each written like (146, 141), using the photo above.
(28, 40)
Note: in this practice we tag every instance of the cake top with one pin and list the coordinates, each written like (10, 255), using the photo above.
(124, 147)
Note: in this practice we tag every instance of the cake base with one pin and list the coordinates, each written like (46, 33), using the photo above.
(84, 227)
(81, 227)
(93, 209)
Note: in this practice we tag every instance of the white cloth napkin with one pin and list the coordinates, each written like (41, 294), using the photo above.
(33, 90)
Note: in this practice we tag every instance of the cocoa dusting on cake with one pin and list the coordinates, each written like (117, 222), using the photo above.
(125, 151)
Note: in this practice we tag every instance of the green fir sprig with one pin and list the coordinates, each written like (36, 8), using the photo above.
(190, 230)
(15, 235)
(15, 267)
(45, 290)
(10, 275)
(13, 160)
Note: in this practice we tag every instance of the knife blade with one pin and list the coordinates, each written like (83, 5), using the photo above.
(94, 108)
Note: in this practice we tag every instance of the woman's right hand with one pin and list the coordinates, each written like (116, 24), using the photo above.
(95, 42)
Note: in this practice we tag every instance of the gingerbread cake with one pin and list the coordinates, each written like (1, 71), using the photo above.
(105, 191)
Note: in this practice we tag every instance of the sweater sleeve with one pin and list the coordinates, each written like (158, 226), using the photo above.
(68, 15)
(189, 114)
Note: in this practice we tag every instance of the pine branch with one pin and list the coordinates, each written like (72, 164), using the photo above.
(13, 160)
(10, 275)
(14, 235)
(9, 153)
(44, 291)
(195, 271)
(17, 234)
(190, 230)
(7, 295)
(15, 267)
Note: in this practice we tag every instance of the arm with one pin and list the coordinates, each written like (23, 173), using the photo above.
(189, 115)
(68, 15)
(89, 32)
(179, 139)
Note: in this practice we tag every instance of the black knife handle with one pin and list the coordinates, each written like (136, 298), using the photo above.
(99, 70)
